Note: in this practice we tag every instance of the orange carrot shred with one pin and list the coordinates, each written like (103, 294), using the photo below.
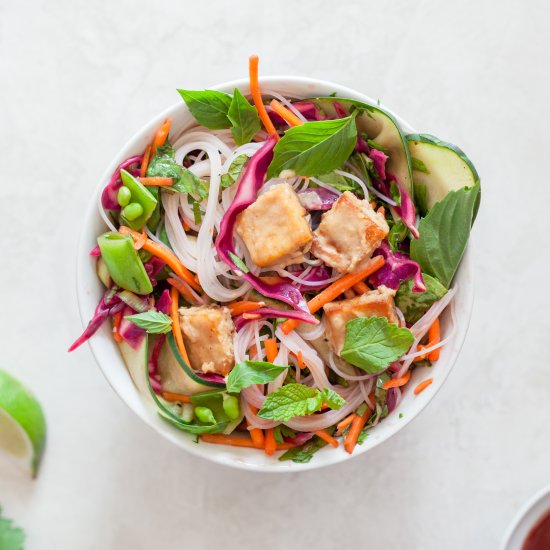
(349, 294)
(434, 337)
(244, 306)
(176, 331)
(116, 327)
(397, 382)
(360, 287)
(221, 439)
(182, 289)
(172, 397)
(141, 240)
(256, 434)
(271, 349)
(326, 437)
(251, 316)
(422, 386)
(257, 96)
(343, 424)
(161, 135)
(159, 182)
(270, 443)
(357, 425)
(286, 114)
(145, 162)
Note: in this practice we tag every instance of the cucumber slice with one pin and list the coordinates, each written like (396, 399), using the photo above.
(135, 359)
(438, 167)
(381, 127)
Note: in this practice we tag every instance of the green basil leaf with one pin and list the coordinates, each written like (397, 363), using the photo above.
(154, 322)
(244, 118)
(373, 343)
(315, 147)
(209, 107)
(415, 304)
(247, 373)
(444, 234)
(234, 171)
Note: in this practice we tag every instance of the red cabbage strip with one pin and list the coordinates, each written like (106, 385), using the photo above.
(249, 186)
(273, 313)
(317, 198)
(109, 196)
(379, 159)
(164, 302)
(406, 210)
(396, 269)
(318, 273)
(95, 252)
(130, 332)
(362, 146)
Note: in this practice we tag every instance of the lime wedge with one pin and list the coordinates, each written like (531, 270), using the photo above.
(22, 424)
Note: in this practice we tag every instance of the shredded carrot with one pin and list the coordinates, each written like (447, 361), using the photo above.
(161, 135)
(244, 306)
(270, 443)
(300, 359)
(323, 434)
(434, 337)
(335, 289)
(422, 386)
(171, 396)
(141, 240)
(271, 350)
(349, 294)
(159, 182)
(256, 434)
(176, 331)
(343, 424)
(166, 255)
(182, 289)
(116, 327)
(257, 96)
(373, 204)
(286, 114)
(360, 287)
(397, 382)
(252, 316)
(222, 439)
(357, 425)
(381, 210)
(185, 225)
(145, 162)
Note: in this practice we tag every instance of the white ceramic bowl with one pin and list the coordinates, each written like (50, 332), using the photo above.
(89, 291)
(526, 519)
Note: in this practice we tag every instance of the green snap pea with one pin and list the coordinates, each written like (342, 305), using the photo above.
(123, 263)
(124, 196)
(231, 407)
(133, 211)
(205, 415)
(140, 195)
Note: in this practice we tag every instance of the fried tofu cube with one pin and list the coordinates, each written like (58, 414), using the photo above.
(376, 303)
(348, 234)
(208, 333)
(274, 228)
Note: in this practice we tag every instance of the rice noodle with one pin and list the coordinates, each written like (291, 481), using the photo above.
(286, 103)
(326, 186)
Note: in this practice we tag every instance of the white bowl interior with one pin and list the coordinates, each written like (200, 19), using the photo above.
(90, 290)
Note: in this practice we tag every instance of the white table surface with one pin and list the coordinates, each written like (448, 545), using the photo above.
(80, 76)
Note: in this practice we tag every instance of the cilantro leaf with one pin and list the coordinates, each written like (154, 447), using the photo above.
(247, 373)
(244, 118)
(11, 537)
(373, 343)
(209, 107)
(154, 322)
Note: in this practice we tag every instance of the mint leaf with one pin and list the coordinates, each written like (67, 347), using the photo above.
(247, 373)
(244, 118)
(415, 304)
(373, 343)
(239, 263)
(296, 400)
(154, 322)
(332, 399)
(304, 453)
(234, 171)
(444, 234)
(209, 107)
(11, 537)
(314, 147)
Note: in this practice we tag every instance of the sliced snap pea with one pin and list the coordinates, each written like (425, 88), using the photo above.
(141, 196)
(205, 415)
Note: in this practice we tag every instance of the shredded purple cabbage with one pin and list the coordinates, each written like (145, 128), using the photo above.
(340, 111)
(318, 273)
(164, 302)
(273, 313)
(129, 331)
(299, 439)
(362, 146)
(210, 377)
(379, 159)
(317, 198)
(391, 399)
(396, 269)
(153, 268)
(109, 199)
(406, 210)
(95, 252)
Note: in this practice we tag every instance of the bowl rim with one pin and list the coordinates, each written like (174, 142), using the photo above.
(171, 433)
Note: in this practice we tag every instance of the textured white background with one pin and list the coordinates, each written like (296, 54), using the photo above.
(79, 77)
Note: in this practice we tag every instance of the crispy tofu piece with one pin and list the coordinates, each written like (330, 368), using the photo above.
(376, 303)
(274, 228)
(348, 234)
(208, 333)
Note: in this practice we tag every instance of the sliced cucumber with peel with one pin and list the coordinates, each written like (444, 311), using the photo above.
(438, 167)
(135, 359)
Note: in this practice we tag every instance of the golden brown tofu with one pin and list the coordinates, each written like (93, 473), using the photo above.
(348, 234)
(274, 228)
(208, 337)
(376, 303)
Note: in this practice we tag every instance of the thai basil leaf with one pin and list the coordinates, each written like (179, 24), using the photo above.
(209, 107)
(415, 304)
(244, 119)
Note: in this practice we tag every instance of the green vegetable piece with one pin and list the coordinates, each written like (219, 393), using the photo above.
(205, 415)
(187, 412)
(244, 119)
(415, 304)
(444, 234)
(154, 322)
(133, 211)
(247, 373)
(373, 343)
(141, 196)
(231, 407)
(11, 536)
(234, 171)
(123, 263)
(304, 453)
(315, 148)
(209, 107)
(124, 196)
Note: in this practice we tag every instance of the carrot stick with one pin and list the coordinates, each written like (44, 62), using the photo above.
(343, 424)
(221, 439)
(256, 434)
(171, 396)
(176, 331)
(271, 349)
(397, 382)
(335, 289)
(270, 443)
(182, 289)
(257, 96)
(357, 425)
(326, 437)
(161, 135)
(251, 316)
(286, 114)
(116, 326)
(244, 306)
(140, 241)
(349, 294)
(422, 386)
(166, 255)
(360, 287)
(159, 182)
(434, 337)
(300, 359)
(145, 162)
